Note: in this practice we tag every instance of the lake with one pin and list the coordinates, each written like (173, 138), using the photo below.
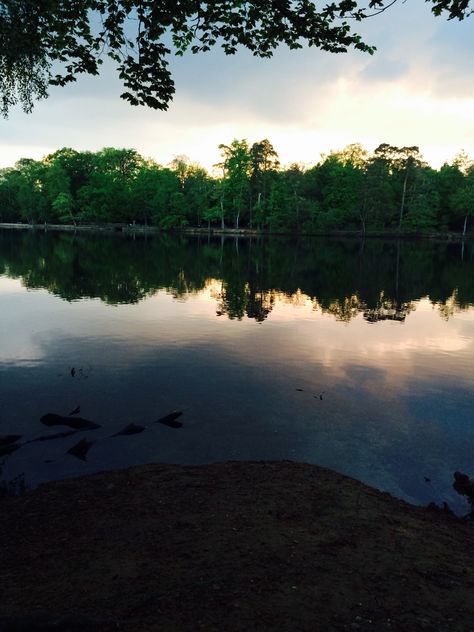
(354, 355)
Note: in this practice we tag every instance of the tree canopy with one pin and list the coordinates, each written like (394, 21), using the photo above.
(51, 42)
(392, 190)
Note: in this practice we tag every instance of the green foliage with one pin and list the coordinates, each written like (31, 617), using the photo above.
(53, 42)
(236, 167)
(391, 190)
(423, 204)
(463, 199)
(63, 207)
(341, 185)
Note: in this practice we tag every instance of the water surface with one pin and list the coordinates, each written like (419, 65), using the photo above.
(353, 355)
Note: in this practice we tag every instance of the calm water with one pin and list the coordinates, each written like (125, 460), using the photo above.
(243, 336)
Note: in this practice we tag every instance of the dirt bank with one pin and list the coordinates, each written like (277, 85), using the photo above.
(232, 546)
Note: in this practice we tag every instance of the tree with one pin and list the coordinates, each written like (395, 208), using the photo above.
(404, 162)
(32, 201)
(449, 179)
(378, 205)
(424, 203)
(107, 196)
(463, 199)
(264, 163)
(146, 185)
(335, 186)
(197, 189)
(236, 168)
(351, 164)
(9, 206)
(58, 190)
(52, 42)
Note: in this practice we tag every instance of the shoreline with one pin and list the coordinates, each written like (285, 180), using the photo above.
(128, 229)
(230, 546)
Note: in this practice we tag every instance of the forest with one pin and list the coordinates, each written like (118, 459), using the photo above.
(392, 190)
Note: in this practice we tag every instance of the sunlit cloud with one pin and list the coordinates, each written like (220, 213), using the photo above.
(416, 90)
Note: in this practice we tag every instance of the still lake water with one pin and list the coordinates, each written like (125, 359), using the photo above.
(353, 355)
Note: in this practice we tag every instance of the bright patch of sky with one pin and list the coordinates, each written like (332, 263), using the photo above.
(418, 89)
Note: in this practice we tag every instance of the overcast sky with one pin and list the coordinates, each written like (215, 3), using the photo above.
(418, 89)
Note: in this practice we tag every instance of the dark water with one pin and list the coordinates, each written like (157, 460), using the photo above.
(356, 356)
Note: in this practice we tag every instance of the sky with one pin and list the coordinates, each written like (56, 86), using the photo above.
(417, 89)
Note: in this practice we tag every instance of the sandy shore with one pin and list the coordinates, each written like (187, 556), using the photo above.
(232, 546)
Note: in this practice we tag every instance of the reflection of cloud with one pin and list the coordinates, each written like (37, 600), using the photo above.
(381, 417)
(10, 286)
(399, 351)
(409, 345)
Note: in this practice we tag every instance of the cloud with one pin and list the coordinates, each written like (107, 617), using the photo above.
(384, 70)
(415, 90)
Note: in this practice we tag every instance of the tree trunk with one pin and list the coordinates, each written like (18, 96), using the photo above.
(402, 205)
(297, 208)
(259, 201)
(363, 213)
(222, 214)
(464, 227)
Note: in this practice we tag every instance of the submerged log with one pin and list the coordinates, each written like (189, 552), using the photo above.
(80, 449)
(170, 420)
(129, 430)
(5, 450)
(78, 423)
(464, 486)
(8, 439)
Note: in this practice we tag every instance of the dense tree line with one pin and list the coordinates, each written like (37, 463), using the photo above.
(391, 190)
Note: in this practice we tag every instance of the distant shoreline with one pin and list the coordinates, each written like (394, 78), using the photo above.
(232, 232)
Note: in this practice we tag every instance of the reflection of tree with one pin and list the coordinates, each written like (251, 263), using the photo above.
(345, 309)
(238, 302)
(385, 309)
(388, 309)
(381, 280)
(297, 299)
(260, 305)
(450, 307)
(233, 300)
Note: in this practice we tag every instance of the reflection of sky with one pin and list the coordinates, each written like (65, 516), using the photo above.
(397, 397)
